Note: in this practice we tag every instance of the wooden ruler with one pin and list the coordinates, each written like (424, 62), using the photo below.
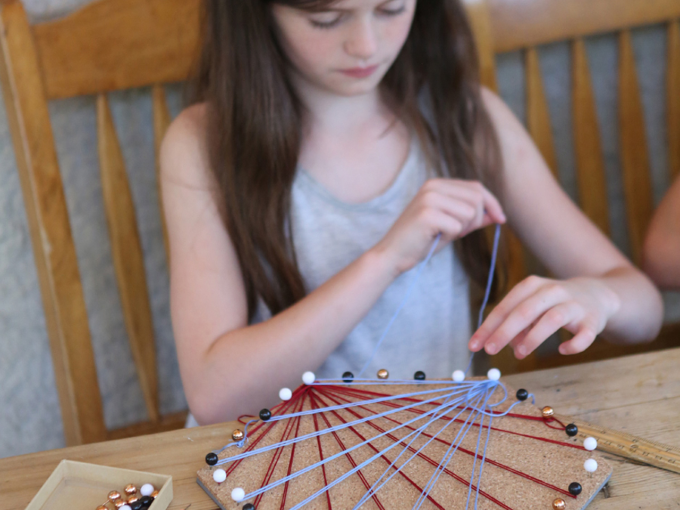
(629, 446)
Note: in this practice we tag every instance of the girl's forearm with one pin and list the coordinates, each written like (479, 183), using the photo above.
(254, 362)
(640, 314)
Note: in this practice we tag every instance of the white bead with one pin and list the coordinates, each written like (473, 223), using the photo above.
(125, 507)
(590, 465)
(494, 374)
(238, 494)
(219, 475)
(590, 443)
(147, 489)
(458, 376)
(308, 378)
(285, 394)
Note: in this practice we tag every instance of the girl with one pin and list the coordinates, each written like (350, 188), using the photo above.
(331, 142)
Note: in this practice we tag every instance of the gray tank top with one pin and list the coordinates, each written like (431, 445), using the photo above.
(433, 328)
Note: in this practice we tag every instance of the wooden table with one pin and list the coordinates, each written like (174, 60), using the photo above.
(636, 394)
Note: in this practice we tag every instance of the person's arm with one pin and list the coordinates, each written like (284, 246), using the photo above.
(597, 291)
(230, 368)
(661, 257)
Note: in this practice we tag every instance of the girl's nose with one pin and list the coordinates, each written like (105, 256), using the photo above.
(362, 41)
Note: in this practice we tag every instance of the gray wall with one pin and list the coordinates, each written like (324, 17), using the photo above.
(30, 419)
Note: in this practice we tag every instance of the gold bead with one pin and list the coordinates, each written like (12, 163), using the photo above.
(130, 489)
(154, 494)
(132, 499)
(547, 412)
(113, 496)
(559, 504)
(383, 374)
(237, 435)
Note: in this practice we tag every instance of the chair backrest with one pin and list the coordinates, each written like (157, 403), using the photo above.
(507, 25)
(106, 46)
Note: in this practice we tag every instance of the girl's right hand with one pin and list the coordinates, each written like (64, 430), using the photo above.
(452, 207)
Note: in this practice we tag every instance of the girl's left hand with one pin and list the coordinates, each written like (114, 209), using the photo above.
(538, 307)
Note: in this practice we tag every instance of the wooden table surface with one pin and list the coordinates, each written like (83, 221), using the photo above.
(636, 394)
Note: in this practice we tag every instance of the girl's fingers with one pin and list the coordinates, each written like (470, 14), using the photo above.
(551, 322)
(472, 192)
(581, 341)
(520, 293)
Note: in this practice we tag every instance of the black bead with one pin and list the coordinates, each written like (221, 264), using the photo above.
(575, 488)
(146, 501)
(347, 377)
(137, 505)
(265, 414)
(248, 506)
(419, 375)
(522, 394)
(571, 430)
(211, 459)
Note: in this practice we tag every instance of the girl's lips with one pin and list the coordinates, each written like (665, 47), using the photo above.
(359, 72)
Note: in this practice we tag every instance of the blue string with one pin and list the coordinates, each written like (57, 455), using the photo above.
(375, 489)
(489, 282)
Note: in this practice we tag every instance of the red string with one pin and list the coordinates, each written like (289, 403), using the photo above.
(353, 392)
(464, 450)
(429, 460)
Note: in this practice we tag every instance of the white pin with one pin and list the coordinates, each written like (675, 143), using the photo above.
(219, 475)
(238, 494)
(590, 443)
(590, 465)
(308, 378)
(458, 376)
(147, 489)
(285, 394)
(494, 374)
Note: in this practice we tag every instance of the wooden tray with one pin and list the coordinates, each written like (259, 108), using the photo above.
(80, 486)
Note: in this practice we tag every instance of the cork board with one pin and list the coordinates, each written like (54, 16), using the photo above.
(522, 469)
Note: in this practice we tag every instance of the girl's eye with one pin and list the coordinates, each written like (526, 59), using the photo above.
(393, 8)
(393, 12)
(328, 20)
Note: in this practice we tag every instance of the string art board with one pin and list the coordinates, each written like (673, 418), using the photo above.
(398, 445)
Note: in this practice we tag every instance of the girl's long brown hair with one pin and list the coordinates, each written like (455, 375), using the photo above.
(254, 121)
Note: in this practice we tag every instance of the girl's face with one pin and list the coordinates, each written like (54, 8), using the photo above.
(348, 47)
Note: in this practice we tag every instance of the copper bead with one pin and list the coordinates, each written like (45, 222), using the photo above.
(154, 494)
(130, 489)
(548, 412)
(383, 374)
(113, 496)
(237, 435)
(102, 507)
(132, 499)
(559, 504)
(120, 502)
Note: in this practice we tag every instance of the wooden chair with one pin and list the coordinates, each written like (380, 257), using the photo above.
(507, 25)
(106, 46)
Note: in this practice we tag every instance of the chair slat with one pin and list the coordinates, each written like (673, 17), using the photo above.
(673, 94)
(52, 240)
(519, 24)
(155, 42)
(634, 152)
(590, 167)
(480, 21)
(127, 256)
(161, 121)
(538, 116)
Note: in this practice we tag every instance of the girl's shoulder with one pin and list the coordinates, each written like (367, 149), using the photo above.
(184, 151)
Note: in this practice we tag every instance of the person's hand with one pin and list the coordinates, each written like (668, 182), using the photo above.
(452, 207)
(538, 307)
